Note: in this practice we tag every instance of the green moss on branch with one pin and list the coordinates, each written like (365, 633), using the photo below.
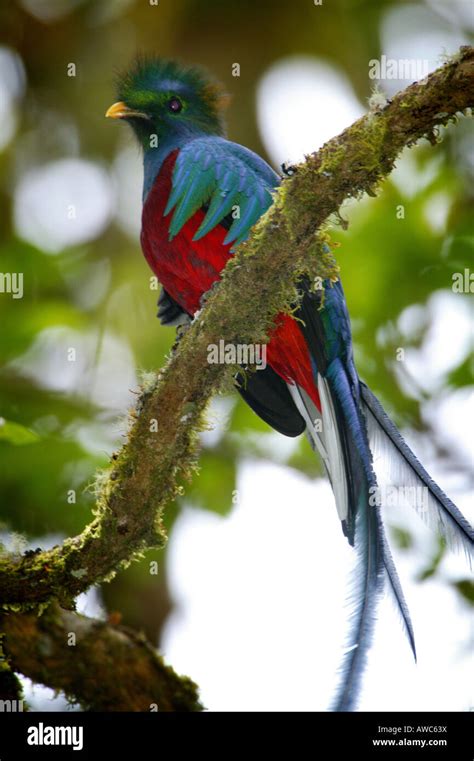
(102, 667)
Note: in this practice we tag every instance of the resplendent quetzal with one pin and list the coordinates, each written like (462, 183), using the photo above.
(193, 178)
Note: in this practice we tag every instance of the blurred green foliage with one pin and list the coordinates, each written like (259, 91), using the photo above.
(387, 263)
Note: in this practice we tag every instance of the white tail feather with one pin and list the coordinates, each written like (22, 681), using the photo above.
(321, 428)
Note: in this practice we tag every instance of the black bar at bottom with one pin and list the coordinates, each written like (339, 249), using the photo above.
(92, 735)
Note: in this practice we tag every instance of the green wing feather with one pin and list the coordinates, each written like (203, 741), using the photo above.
(227, 178)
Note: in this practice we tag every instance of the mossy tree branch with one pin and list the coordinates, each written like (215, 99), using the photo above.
(103, 667)
(257, 284)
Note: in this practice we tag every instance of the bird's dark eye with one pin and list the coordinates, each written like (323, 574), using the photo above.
(175, 105)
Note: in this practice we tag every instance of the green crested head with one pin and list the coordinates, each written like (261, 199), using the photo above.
(162, 97)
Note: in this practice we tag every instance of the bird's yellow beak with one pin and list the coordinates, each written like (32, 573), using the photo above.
(118, 110)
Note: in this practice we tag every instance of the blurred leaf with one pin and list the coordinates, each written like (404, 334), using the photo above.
(305, 460)
(212, 488)
(36, 486)
(15, 433)
(466, 588)
(462, 375)
(431, 569)
(401, 537)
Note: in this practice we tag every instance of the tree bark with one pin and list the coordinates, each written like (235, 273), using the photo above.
(103, 667)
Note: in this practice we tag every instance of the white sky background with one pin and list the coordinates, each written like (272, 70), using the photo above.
(261, 614)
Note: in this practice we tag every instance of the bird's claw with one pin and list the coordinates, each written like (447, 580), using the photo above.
(205, 296)
(288, 170)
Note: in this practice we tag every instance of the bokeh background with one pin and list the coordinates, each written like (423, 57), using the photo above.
(250, 595)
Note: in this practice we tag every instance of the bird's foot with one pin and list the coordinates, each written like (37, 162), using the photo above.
(288, 170)
(206, 295)
(181, 331)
